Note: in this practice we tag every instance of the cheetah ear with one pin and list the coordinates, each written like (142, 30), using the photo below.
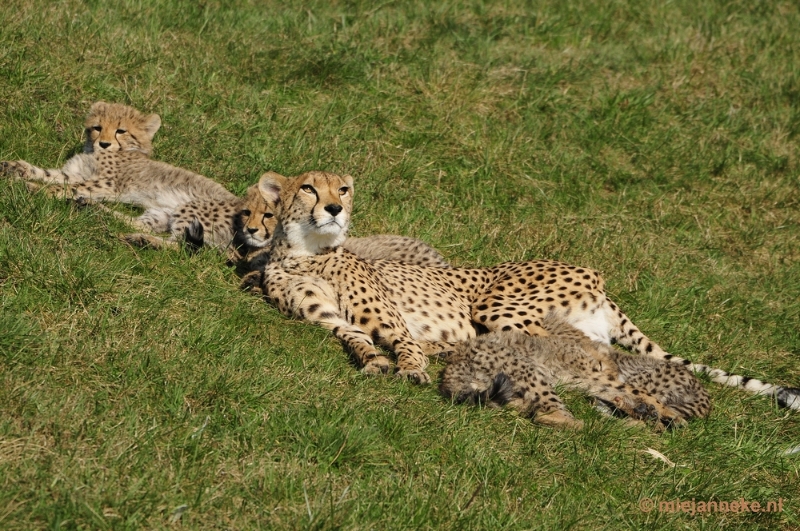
(270, 185)
(151, 124)
(348, 179)
(98, 107)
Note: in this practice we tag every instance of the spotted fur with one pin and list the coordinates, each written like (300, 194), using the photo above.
(403, 306)
(252, 260)
(116, 167)
(238, 226)
(510, 367)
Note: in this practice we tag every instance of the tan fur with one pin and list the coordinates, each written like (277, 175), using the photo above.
(252, 260)
(116, 167)
(396, 248)
(314, 211)
(413, 310)
(510, 367)
(236, 225)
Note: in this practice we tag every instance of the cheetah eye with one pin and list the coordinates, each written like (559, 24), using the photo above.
(268, 215)
(121, 131)
(246, 212)
(343, 190)
(307, 188)
(97, 128)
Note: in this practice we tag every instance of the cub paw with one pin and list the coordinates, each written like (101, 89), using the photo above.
(376, 366)
(416, 376)
(644, 411)
(559, 419)
(82, 201)
(138, 240)
(252, 282)
(9, 169)
(35, 187)
(17, 169)
(193, 235)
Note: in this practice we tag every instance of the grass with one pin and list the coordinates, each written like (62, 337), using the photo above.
(655, 142)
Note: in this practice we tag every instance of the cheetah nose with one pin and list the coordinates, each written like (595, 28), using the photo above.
(252, 230)
(333, 209)
(105, 144)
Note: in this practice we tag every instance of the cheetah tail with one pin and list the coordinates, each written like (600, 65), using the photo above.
(625, 333)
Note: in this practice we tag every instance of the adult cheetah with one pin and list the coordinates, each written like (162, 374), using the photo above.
(411, 309)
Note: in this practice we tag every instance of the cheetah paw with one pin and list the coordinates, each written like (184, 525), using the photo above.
(376, 366)
(15, 170)
(8, 169)
(670, 423)
(252, 283)
(136, 239)
(82, 201)
(416, 376)
(644, 411)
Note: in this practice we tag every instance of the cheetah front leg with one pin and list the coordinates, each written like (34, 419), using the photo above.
(149, 241)
(313, 299)
(411, 361)
(19, 169)
(389, 330)
(77, 169)
(391, 333)
(151, 222)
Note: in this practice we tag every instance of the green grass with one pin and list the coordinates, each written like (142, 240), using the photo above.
(654, 141)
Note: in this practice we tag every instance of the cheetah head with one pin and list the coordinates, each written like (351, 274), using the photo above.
(116, 127)
(313, 209)
(255, 223)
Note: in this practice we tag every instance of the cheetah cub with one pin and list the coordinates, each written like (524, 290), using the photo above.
(519, 370)
(237, 226)
(413, 310)
(116, 166)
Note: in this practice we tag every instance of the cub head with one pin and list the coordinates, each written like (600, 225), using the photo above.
(116, 127)
(313, 209)
(256, 221)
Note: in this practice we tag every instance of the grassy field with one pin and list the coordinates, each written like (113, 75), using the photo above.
(654, 141)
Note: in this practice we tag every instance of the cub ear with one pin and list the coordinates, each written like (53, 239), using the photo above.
(152, 124)
(270, 185)
(98, 107)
